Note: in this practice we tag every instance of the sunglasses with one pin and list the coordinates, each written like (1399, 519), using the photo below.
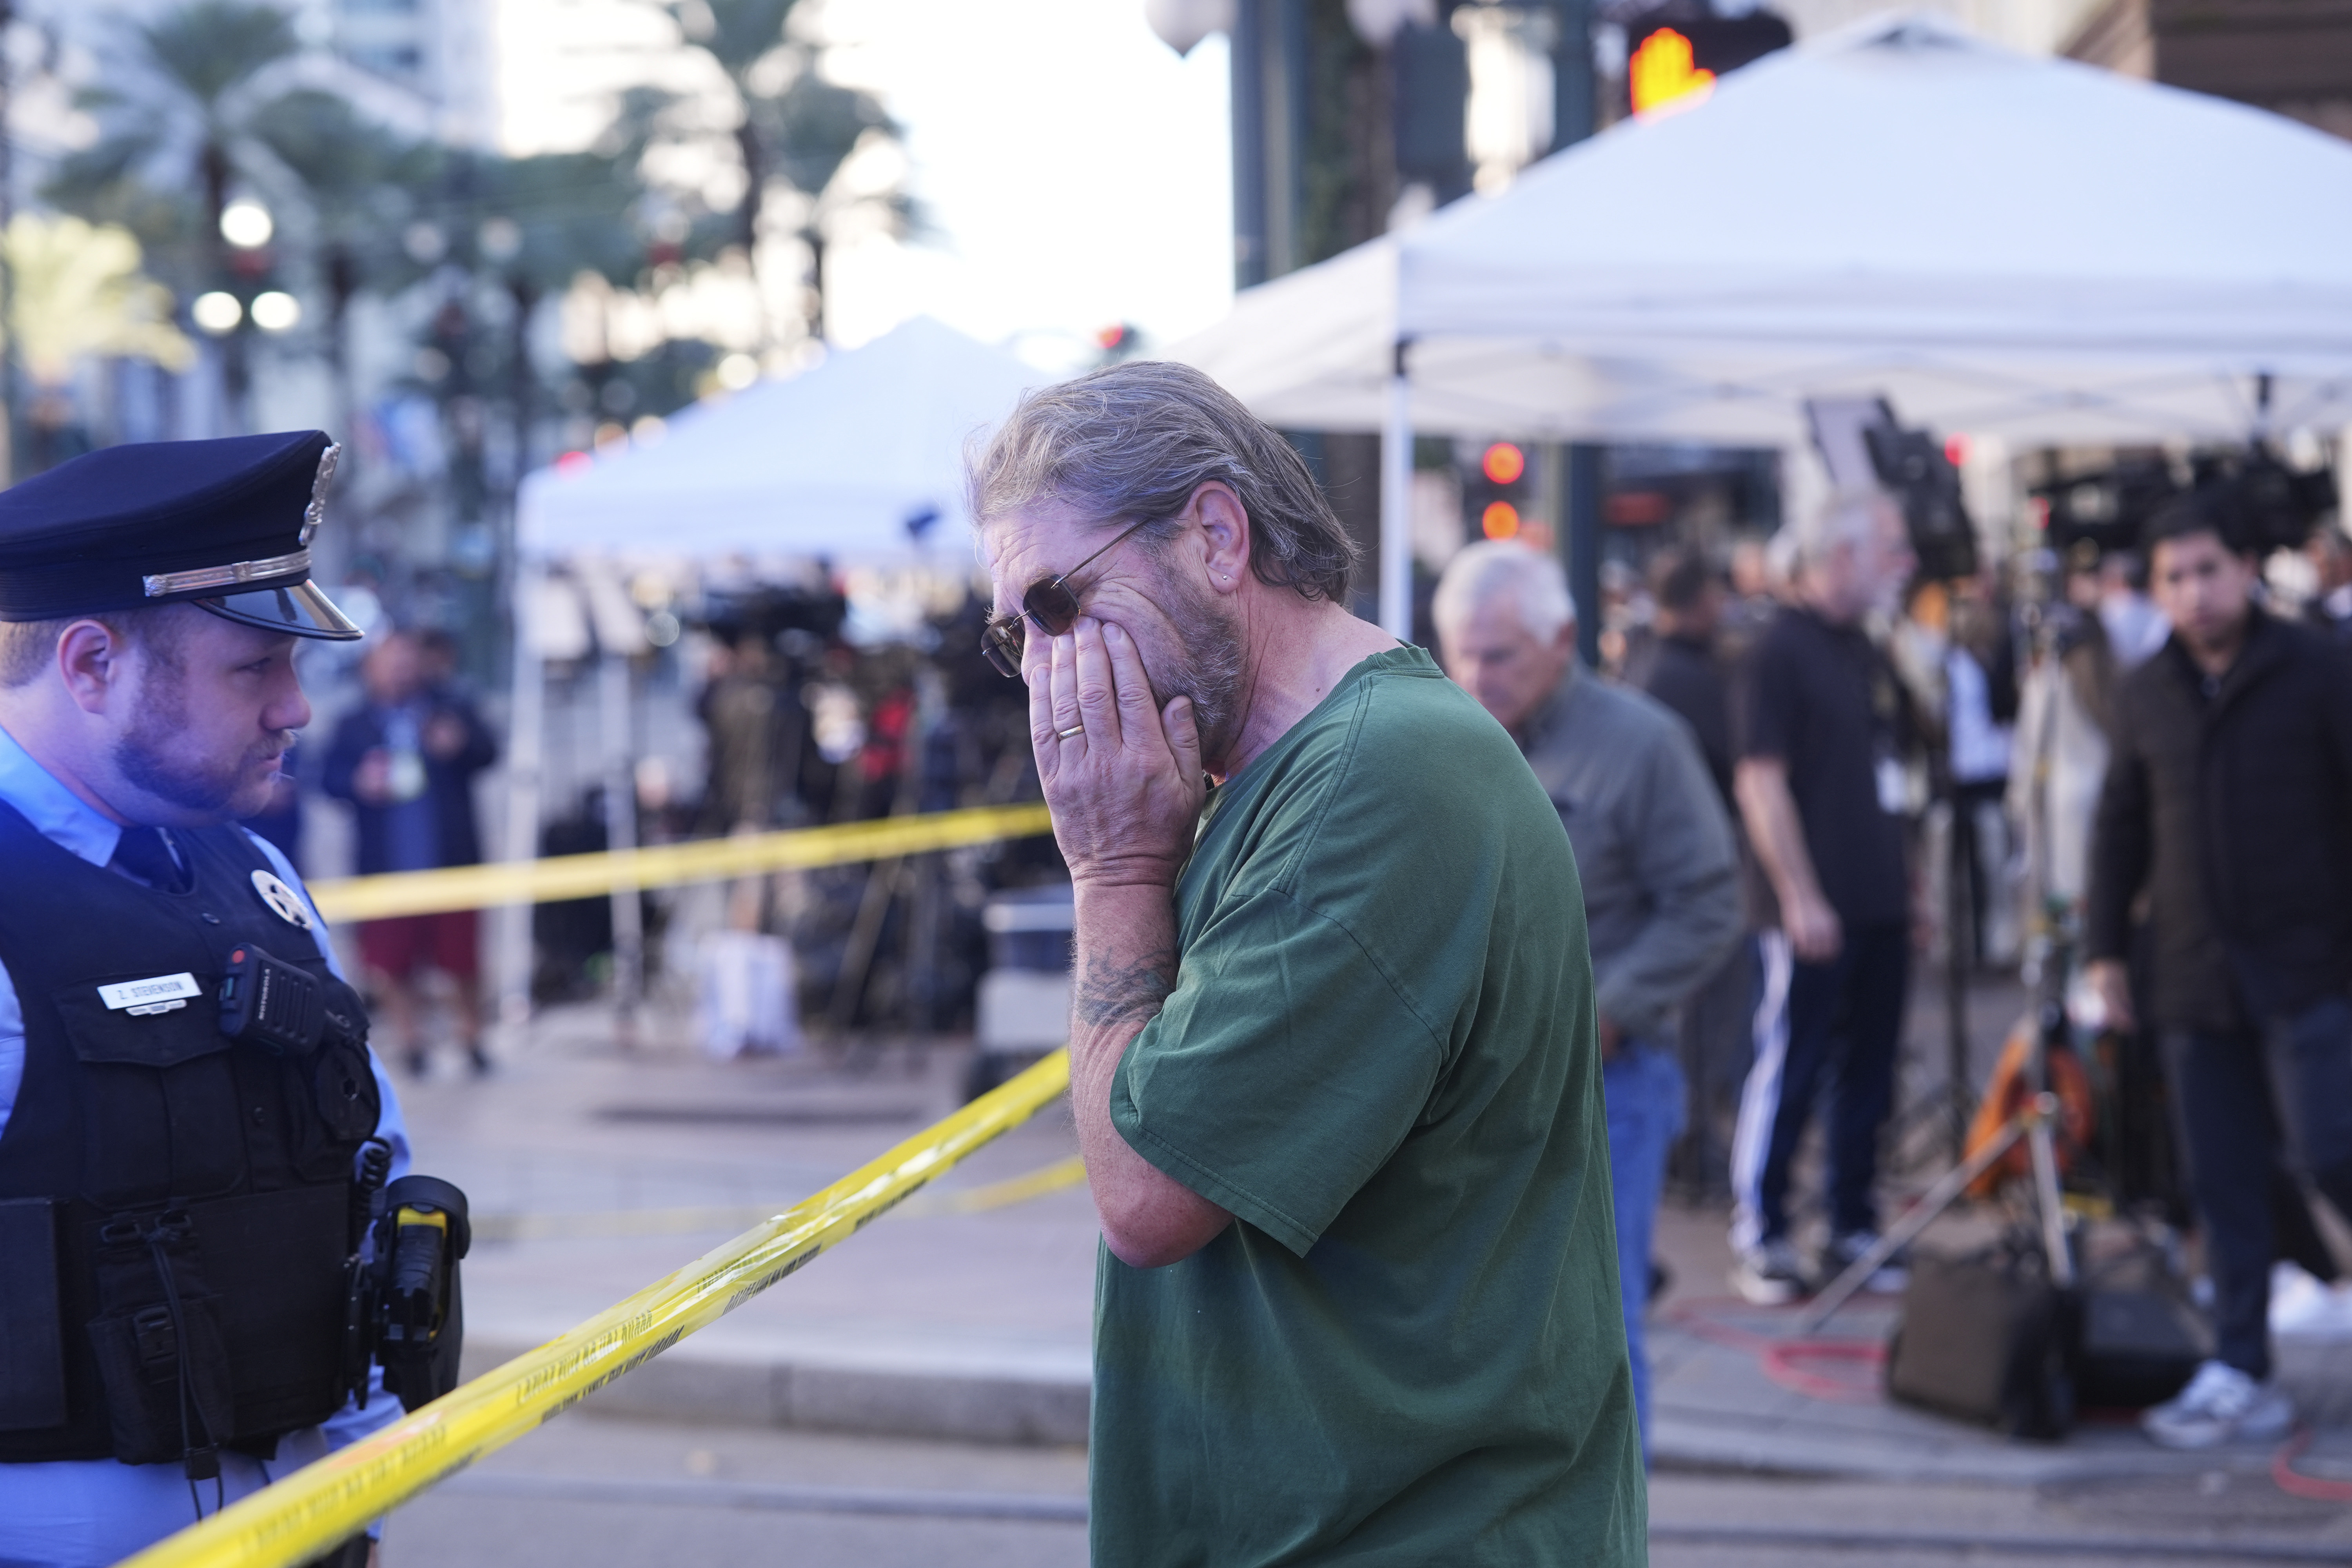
(1051, 603)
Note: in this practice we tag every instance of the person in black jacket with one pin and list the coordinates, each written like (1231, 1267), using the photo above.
(2227, 804)
(407, 761)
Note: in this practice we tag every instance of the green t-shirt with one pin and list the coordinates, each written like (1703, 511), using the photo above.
(1380, 1055)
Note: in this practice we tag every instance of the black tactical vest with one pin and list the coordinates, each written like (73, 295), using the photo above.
(183, 1199)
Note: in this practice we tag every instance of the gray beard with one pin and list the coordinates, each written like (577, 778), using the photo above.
(1207, 665)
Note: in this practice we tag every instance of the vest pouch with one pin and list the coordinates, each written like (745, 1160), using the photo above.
(32, 1342)
(162, 1358)
(339, 1081)
(277, 1262)
(160, 1111)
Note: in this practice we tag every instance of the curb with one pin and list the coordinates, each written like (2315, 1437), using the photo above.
(882, 1402)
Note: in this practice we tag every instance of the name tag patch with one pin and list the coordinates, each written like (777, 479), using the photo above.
(140, 998)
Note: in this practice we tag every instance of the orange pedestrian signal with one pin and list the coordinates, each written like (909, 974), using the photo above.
(1500, 521)
(1664, 71)
(1504, 463)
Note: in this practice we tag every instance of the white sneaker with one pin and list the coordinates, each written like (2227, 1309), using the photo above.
(2220, 1405)
(1769, 1274)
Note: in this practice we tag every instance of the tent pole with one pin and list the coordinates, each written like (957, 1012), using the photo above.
(526, 750)
(621, 834)
(1396, 503)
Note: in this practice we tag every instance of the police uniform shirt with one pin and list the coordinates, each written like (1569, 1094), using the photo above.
(97, 1511)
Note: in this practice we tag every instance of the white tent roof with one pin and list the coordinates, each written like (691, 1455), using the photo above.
(2003, 245)
(834, 462)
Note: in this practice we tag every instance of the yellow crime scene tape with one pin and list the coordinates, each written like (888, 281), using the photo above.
(327, 1502)
(560, 877)
(603, 1224)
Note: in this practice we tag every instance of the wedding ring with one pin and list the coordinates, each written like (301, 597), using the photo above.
(1073, 730)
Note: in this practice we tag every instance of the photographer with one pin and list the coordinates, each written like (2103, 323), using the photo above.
(2227, 803)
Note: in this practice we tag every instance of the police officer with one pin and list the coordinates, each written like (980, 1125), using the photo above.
(183, 1168)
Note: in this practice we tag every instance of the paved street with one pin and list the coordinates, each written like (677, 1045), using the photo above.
(838, 1412)
(589, 1493)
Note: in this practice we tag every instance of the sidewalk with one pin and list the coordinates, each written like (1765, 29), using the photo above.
(977, 1326)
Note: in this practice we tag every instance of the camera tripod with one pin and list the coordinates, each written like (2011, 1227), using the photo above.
(2031, 1122)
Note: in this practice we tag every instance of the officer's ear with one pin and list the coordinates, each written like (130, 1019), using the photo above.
(95, 661)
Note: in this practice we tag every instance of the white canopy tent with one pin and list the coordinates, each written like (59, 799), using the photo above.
(858, 460)
(838, 462)
(2003, 245)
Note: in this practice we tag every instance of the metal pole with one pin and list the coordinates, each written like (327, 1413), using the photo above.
(1583, 534)
(621, 833)
(1249, 58)
(1396, 504)
(525, 749)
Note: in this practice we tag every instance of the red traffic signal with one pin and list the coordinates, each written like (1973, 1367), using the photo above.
(1504, 463)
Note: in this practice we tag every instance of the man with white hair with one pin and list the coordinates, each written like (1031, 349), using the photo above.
(1653, 850)
(1818, 723)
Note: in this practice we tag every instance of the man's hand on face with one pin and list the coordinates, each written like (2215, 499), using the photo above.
(1126, 788)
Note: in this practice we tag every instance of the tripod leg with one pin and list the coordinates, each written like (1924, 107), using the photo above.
(2046, 1199)
(1923, 1214)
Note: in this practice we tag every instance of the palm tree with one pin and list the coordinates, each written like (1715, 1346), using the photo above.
(176, 132)
(800, 132)
(79, 292)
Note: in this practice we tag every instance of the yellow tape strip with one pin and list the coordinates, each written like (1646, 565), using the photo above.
(328, 1501)
(668, 865)
(605, 1223)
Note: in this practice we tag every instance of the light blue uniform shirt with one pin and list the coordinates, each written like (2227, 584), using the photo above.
(84, 1513)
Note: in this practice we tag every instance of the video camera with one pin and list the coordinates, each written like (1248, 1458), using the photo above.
(2260, 504)
(1862, 444)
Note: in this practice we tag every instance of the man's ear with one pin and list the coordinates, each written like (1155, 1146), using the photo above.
(96, 663)
(1225, 532)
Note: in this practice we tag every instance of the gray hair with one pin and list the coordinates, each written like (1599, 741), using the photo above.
(1131, 444)
(1844, 518)
(1493, 567)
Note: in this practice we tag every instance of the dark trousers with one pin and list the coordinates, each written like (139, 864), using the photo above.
(2238, 1094)
(1827, 1031)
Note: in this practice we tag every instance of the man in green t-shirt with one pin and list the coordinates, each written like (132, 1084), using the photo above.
(1332, 1055)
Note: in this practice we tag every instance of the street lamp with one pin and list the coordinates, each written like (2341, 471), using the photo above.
(217, 313)
(245, 223)
(276, 311)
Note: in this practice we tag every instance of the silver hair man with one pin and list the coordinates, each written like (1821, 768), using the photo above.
(1492, 567)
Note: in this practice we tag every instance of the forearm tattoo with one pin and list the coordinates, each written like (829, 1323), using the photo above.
(1111, 991)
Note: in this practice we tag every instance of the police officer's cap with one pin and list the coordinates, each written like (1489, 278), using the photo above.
(224, 525)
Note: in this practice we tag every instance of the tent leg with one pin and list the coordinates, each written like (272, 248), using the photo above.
(1396, 506)
(621, 834)
(526, 748)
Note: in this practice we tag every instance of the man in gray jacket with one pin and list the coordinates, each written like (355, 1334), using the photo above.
(1653, 849)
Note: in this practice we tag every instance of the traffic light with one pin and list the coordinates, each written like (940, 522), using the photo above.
(1496, 499)
(1675, 61)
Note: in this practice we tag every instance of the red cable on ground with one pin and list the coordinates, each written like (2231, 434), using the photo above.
(1779, 1358)
(2295, 1483)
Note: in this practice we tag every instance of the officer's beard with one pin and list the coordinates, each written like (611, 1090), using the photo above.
(158, 753)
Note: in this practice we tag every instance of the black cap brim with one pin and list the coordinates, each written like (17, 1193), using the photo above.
(297, 609)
